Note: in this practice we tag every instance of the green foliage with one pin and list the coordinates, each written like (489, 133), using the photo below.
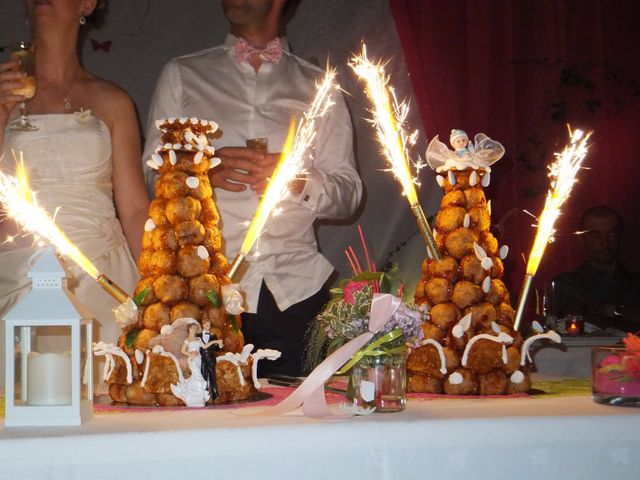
(214, 298)
(130, 339)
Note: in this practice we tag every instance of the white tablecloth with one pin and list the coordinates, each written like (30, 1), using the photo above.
(499, 438)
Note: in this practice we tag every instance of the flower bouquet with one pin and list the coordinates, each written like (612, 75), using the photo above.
(378, 369)
(616, 373)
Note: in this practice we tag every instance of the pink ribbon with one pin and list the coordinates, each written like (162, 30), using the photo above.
(272, 52)
(310, 394)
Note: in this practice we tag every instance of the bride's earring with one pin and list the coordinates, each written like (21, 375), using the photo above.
(82, 20)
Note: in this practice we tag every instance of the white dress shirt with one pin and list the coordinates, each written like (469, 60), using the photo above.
(212, 85)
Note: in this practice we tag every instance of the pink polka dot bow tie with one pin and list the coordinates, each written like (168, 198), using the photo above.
(272, 52)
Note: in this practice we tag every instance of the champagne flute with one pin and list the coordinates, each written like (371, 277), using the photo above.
(25, 55)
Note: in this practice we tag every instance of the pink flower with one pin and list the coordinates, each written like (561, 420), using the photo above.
(350, 289)
(631, 360)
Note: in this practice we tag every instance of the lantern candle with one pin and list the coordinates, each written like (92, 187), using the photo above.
(49, 378)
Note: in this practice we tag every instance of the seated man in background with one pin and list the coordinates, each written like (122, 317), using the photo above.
(601, 289)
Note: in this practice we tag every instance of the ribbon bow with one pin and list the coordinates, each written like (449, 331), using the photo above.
(311, 392)
(272, 52)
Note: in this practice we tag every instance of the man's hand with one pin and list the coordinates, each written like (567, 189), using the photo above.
(268, 165)
(240, 167)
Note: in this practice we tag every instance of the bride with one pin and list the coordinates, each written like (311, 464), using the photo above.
(83, 161)
(194, 390)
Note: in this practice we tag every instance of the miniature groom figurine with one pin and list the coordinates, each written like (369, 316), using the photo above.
(208, 357)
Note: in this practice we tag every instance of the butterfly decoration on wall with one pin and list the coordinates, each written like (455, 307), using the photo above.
(104, 46)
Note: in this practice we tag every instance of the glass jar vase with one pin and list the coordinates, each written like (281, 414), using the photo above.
(380, 381)
(616, 376)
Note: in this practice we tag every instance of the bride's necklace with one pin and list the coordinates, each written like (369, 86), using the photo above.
(60, 91)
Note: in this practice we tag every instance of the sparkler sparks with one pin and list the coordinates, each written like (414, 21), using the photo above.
(19, 203)
(389, 118)
(290, 166)
(563, 176)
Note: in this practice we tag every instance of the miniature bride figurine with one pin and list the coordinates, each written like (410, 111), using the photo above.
(478, 154)
(193, 391)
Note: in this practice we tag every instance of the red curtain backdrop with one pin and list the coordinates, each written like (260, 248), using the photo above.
(519, 71)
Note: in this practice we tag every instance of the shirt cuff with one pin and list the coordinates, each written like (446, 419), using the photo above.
(312, 191)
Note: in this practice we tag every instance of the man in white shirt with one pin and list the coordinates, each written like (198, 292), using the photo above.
(252, 86)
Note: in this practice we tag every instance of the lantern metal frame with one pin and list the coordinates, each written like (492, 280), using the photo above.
(48, 304)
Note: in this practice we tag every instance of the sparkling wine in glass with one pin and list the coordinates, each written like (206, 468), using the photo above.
(24, 54)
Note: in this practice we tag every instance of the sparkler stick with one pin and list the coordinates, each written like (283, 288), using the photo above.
(563, 176)
(18, 201)
(388, 119)
(290, 165)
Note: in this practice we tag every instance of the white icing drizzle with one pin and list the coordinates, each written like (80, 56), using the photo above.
(173, 159)
(486, 284)
(505, 357)
(149, 225)
(213, 125)
(440, 180)
(261, 353)
(467, 221)
(198, 158)
(524, 352)
(517, 377)
(192, 182)
(495, 327)
(188, 146)
(473, 178)
(200, 148)
(210, 150)
(139, 356)
(234, 358)
(452, 178)
(203, 253)
(202, 140)
(159, 124)
(443, 361)
(456, 378)
(195, 120)
(502, 338)
(177, 146)
(143, 382)
(504, 251)
(486, 179)
(189, 136)
(167, 146)
(162, 352)
(489, 207)
(462, 326)
(109, 349)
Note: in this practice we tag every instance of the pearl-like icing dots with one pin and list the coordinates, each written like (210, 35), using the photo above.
(486, 179)
(504, 251)
(517, 377)
(456, 378)
(440, 180)
(197, 158)
(173, 159)
(486, 284)
(215, 161)
(473, 178)
(149, 225)
(193, 182)
(202, 252)
(452, 178)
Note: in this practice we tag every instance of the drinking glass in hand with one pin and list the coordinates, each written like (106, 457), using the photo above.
(260, 144)
(24, 54)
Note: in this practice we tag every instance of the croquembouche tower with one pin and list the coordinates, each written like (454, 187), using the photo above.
(182, 275)
(470, 346)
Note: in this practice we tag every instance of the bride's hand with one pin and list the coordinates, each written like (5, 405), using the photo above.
(11, 78)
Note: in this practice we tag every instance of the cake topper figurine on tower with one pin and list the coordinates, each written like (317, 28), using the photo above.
(481, 153)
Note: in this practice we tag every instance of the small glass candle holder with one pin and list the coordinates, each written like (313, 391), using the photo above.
(380, 381)
(575, 324)
(260, 144)
(615, 376)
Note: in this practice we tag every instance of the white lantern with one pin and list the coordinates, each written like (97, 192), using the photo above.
(48, 352)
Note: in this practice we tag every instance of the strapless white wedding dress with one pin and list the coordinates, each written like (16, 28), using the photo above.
(68, 160)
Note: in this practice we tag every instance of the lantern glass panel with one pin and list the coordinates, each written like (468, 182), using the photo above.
(49, 366)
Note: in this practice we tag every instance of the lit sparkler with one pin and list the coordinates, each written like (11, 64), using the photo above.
(291, 164)
(389, 118)
(19, 203)
(563, 176)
